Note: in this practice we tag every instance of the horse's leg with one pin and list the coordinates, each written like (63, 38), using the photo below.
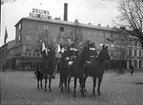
(65, 82)
(75, 83)
(37, 82)
(85, 83)
(45, 82)
(50, 79)
(94, 85)
(82, 85)
(69, 79)
(59, 83)
(41, 82)
(99, 83)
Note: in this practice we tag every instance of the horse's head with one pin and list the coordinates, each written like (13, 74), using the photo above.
(72, 50)
(104, 53)
(51, 52)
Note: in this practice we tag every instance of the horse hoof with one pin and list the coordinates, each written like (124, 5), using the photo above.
(85, 90)
(83, 95)
(61, 91)
(41, 87)
(50, 90)
(74, 95)
(94, 94)
(99, 94)
(45, 90)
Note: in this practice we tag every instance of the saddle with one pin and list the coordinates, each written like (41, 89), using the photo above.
(89, 60)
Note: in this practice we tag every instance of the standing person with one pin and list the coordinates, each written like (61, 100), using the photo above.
(132, 69)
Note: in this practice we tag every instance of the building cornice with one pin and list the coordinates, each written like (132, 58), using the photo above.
(53, 21)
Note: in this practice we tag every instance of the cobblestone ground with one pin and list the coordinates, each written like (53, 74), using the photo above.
(19, 88)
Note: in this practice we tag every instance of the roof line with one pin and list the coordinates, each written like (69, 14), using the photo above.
(66, 23)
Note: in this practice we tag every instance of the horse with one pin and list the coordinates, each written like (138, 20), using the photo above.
(66, 65)
(39, 75)
(90, 55)
(63, 68)
(47, 67)
(94, 65)
(75, 68)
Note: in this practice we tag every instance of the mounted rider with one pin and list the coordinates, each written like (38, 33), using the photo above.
(72, 53)
(91, 53)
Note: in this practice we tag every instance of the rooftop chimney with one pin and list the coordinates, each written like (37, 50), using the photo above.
(65, 12)
(99, 25)
(76, 21)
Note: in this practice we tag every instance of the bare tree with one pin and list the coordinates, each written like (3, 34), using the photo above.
(74, 35)
(124, 43)
(131, 17)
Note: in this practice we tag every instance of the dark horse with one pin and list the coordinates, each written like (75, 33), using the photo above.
(95, 66)
(47, 67)
(63, 68)
(71, 65)
(75, 68)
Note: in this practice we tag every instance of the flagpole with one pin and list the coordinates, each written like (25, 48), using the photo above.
(5, 48)
(4, 56)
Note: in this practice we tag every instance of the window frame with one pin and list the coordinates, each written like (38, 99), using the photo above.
(62, 29)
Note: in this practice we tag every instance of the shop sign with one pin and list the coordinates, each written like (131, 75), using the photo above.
(39, 13)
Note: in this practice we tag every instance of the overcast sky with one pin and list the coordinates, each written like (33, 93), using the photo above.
(86, 11)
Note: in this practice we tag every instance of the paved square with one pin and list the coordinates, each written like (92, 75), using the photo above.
(20, 88)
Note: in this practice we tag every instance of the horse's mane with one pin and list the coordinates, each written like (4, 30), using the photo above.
(103, 54)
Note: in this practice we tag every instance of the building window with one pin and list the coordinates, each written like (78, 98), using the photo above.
(95, 33)
(38, 54)
(20, 38)
(37, 38)
(33, 54)
(135, 43)
(130, 63)
(37, 26)
(135, 63)
(29, 54)
(28, 37)
(111, 35)
(140, 53)
(45, 27)
(20, 26)
(140, 64)
(29, 25)
(25, 54)
(130, 52)
(83, 31)
(61, 29)
(100, 34)
(135, 52)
